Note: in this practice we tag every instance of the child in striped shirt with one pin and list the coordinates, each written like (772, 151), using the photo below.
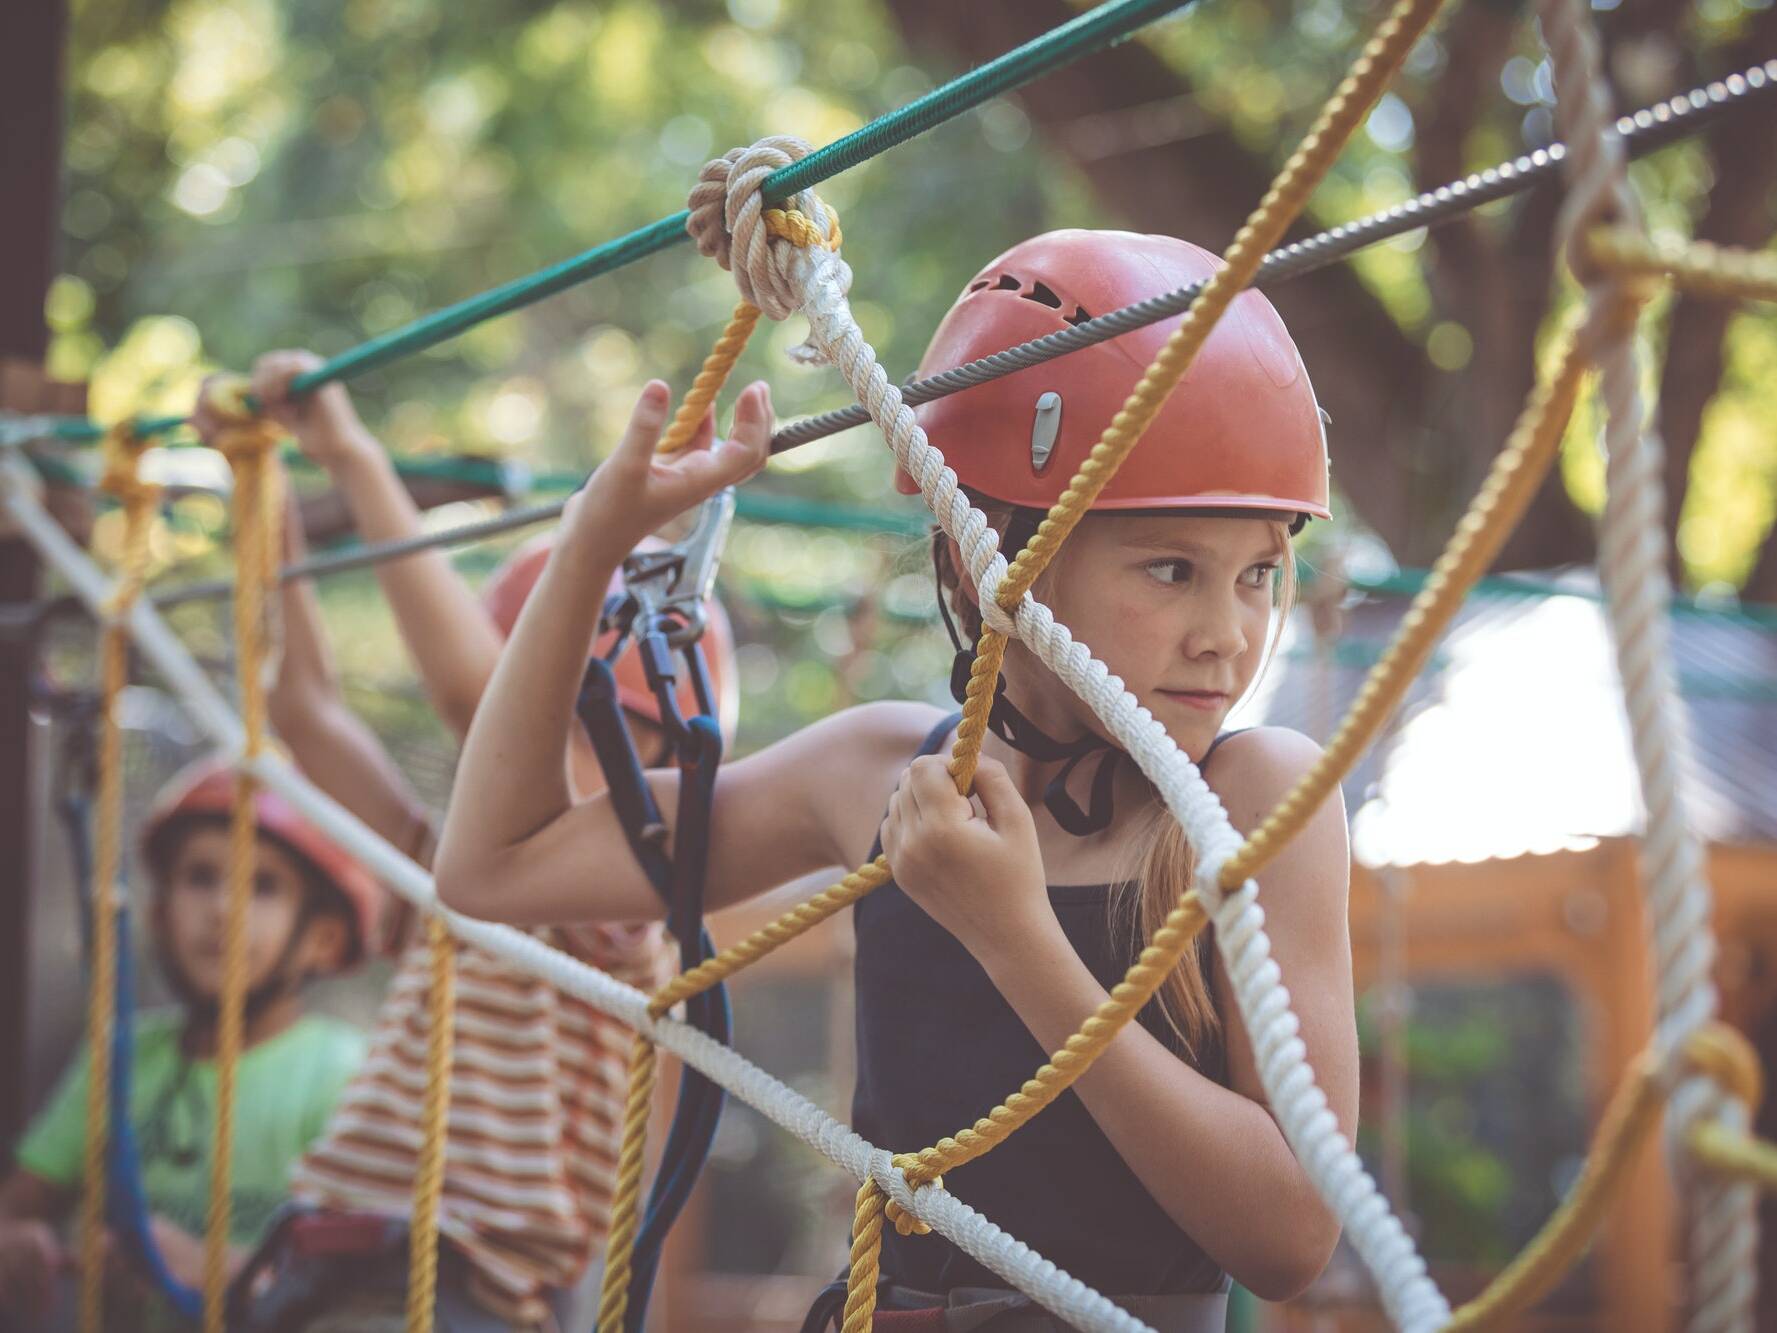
(537, 1078)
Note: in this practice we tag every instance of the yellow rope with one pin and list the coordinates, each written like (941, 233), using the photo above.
(1632, 1112)
(428, 1185)
(1696, 266)
(626, 1207)
(787, 224)
(1720, 1149)
(797, 228)
(711, 378)
(1512, 481)
(1076, 1055)
(1724, 1054)
(122, 451)
(866, 1259)
(247, 442)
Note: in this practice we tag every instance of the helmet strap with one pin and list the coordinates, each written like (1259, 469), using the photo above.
(1015, 729)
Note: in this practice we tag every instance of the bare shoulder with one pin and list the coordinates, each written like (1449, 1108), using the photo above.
(889, 729)
(1253, 769)
(1251, 772)
(850, 763)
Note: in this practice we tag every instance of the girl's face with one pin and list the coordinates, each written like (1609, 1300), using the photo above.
(1179, 607)
(194, 907)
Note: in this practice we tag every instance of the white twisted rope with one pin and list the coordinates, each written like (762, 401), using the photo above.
(1013, 1260)
(1632, 558)
(822, 279)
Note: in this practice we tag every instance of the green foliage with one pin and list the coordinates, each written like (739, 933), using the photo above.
(243, 176)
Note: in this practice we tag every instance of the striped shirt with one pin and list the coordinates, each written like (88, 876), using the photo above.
(537, 1090)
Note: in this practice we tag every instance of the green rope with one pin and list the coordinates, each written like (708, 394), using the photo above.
(1092, 31)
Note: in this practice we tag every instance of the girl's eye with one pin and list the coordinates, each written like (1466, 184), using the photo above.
(203, 876)
(1259, 576)
(1170, 572)
(265, 886)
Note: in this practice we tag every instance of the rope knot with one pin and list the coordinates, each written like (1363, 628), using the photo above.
(1722, 1054)
(767, 249)
(248, 433)
(120, 454)
(905, 1223)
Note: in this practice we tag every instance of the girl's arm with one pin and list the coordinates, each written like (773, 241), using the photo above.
(515, 845)
(1212, 1157)
(331, 743)
(450, 637)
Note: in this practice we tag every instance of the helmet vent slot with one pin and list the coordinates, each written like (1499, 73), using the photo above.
(1078, 318)
(1007, 283)
(1038, 292)
(978, 286)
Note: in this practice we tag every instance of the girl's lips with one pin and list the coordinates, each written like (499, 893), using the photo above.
(1207, 701)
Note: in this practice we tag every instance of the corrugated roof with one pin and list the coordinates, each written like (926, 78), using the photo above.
(1514, 740)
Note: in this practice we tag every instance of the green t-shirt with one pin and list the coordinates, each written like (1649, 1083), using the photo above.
(284, 1090)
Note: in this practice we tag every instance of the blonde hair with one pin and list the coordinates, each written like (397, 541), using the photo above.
(1166, 863)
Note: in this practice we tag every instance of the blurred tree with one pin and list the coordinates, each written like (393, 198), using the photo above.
(1423, 350)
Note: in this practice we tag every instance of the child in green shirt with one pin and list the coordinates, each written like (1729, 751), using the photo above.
(313, 911)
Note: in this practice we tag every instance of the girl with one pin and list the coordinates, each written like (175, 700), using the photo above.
(1011, 913)
(537, 1078)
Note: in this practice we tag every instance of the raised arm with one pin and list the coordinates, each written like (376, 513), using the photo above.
(331, 744)
(515, 845)
(452, 641)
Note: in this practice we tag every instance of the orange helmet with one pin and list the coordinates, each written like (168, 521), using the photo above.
(504, 596)
(1242, 430)
(206, 788)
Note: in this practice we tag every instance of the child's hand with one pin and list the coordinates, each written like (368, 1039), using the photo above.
(30, 1257)
(323, 423)
(182, 1252)
(636, 490)
(979, 874)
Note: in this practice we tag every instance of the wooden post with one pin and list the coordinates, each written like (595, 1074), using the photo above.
(30, 158)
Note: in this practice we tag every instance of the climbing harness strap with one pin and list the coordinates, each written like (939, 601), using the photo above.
(126, 1204)
(664, 610)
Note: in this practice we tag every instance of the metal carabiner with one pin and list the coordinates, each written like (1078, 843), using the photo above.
(671, 587)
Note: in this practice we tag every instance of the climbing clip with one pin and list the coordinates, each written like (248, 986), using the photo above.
(669, 588)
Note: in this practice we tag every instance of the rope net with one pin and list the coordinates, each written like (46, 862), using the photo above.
(785, 260)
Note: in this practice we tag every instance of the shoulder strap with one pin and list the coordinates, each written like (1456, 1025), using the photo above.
(936, 737)
(1216, 744)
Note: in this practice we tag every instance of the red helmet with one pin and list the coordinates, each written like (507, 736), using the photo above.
(1242, 429)
(504, 596)
(206, 788)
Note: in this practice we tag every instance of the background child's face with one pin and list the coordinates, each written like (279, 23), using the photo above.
(194, 904)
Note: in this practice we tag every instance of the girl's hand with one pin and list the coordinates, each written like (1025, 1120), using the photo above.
(977, 873)
(635, 491)
(182, 1252)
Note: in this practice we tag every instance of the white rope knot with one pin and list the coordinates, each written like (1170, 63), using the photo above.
(729, 224)
(987, 593)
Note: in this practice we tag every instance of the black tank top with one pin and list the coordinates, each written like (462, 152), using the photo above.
(938, 1047)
